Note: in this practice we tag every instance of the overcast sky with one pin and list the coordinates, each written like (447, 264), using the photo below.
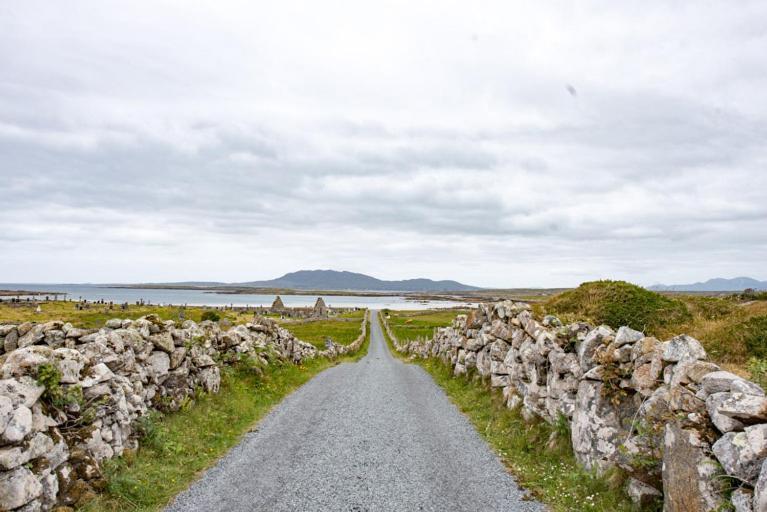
(504, 144)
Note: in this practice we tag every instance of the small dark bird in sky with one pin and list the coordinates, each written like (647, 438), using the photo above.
(571, 90)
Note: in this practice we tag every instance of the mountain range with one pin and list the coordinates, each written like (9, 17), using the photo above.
(342, 280)
(718, 284)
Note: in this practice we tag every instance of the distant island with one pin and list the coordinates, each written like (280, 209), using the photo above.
(326, 280)
(718, 284)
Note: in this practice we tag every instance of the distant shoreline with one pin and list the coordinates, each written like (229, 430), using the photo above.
(244, 290)
(27, 293)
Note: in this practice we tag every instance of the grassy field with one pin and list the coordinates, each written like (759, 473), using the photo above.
(411, 325)
(98, 314)
(539, 455)
(343, 330)
(179, 446)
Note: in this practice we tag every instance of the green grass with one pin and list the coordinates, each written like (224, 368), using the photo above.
(547, 469)
(343, 331)
(617, 303)
(97, 314)
(181, 445)
(412, 325)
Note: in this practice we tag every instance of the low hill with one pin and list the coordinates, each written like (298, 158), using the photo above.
(718, 284)
(342, 280)
(618, 303)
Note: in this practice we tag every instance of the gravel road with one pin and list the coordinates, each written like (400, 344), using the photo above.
(367, 436)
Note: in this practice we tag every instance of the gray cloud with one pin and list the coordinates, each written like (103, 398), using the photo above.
(239, 141)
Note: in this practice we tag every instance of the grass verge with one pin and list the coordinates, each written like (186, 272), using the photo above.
(342, 330)
(538, 454)
(178, 447)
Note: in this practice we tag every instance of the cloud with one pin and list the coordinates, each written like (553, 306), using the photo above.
(238, 141)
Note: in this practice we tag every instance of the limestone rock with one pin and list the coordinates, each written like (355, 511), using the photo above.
(599, 336)
(22, 391)
(722, 422)
(626, 335)
(747, 408)
(17, 488)
(681, 348)
(163, 341)
(642, 494)
(690, 482)
(760, 489)
(721, 381)
(742, 500)
(741, 454)
(19, 425)
(598, 425)
(158, 365)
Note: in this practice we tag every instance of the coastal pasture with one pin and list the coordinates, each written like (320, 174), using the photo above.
(343, 330)
(412, 325)
(97, 314)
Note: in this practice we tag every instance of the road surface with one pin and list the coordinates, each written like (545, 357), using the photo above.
(376, 435)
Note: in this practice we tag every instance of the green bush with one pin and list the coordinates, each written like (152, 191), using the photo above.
(617, 303)
(754, 334)
(49, 376)
(210, 315)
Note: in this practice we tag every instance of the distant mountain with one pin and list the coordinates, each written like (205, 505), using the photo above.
(714, 285)
(335, 280)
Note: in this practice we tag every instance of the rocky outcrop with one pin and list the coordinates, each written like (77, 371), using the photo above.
(677, 424)
(70, 398)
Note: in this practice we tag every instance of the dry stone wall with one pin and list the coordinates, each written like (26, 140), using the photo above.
(684, 430)
(71, 398)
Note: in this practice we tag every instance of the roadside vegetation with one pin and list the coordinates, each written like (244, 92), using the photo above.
(177, 448)
(538, 454)
(343, 330)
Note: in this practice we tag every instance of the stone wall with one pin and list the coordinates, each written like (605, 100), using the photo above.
(70, 398)
(677, 424)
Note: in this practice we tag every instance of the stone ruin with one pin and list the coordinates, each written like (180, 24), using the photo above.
(55, 432)
(318, 311)
(682, 429)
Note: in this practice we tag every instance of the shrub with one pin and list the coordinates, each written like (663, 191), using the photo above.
(49, 376)
(210, 315)
(617, 303)
(753, 332)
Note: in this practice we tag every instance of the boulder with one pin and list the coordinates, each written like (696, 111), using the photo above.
(681, 348)
(760, 489)
(22, 391)
(96, 375)
(19, 425)
(723, 423)
(690, 477)
(163, 341)
(722, 381)
(599, 425)
(18, 487)
(626, 335)
(642, 494)
(742, 500)
(747, 408)
(24, 361)
(602, 335)
(158, 365)
(741, 454)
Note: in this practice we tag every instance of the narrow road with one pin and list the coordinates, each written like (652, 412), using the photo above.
(367, 436)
